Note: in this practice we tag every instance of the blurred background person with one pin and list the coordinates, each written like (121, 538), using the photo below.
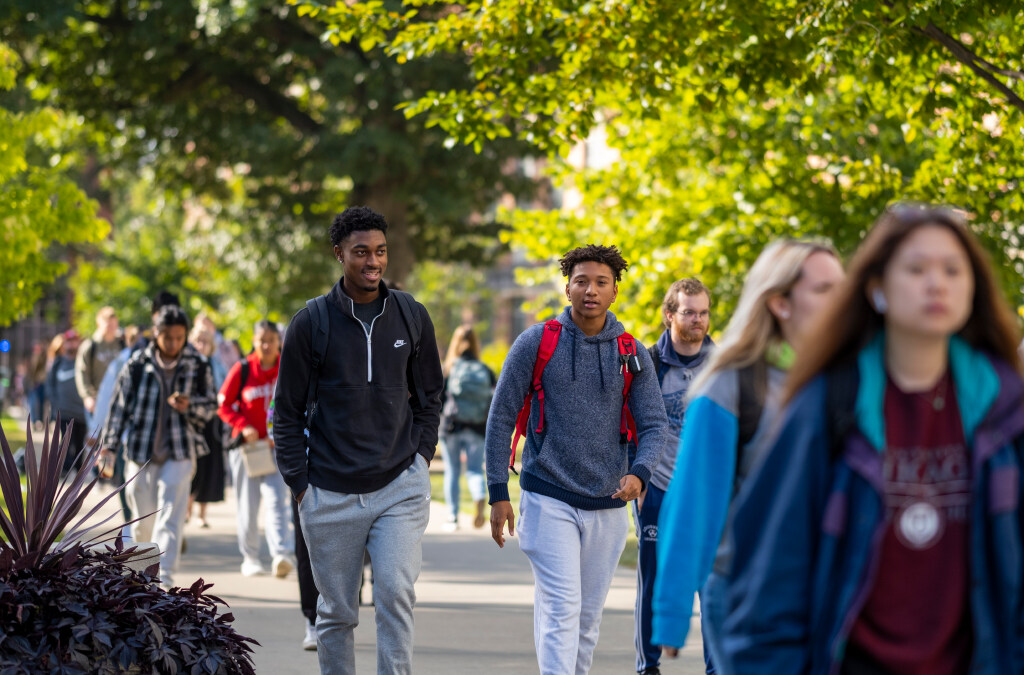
(733, 402)
(65, 402)
(882, 533)
(469, 386)
(94, 356)
(208, 481)
(37, 385)
(243, 402)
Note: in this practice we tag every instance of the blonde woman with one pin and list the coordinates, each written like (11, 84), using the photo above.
(469, 385)
(734, 397)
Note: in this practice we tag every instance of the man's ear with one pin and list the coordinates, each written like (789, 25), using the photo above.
(567, 292)
(615, 291)
(338, 255)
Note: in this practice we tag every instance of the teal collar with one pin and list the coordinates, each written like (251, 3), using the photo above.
(974, 378)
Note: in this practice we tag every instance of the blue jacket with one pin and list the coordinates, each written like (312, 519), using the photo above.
(694, 513)
(807, 529)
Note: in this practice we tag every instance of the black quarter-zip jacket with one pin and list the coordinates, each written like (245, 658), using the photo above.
(367, 428)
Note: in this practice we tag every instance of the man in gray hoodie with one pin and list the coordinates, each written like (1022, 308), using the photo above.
(681, 353)
(576, 474)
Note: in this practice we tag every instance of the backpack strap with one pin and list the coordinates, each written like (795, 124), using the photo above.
(627, 349)
(548, 341)
(243, 376)
(320, 330)
(753, 389)
(656, 359)
(840, 403)
(411, 319)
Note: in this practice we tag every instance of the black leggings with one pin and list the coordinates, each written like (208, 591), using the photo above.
(308, 593)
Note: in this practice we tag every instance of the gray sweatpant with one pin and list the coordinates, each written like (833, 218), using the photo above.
(389, 523)
(573, 554)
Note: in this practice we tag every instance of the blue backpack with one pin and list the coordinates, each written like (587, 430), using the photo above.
(470, 386)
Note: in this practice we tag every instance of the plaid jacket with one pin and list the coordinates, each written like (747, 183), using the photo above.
(135, 410)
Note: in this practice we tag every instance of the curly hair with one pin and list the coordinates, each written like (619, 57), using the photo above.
(356, 218)
(608, 255)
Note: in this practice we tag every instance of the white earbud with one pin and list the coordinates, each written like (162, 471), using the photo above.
(878, 299)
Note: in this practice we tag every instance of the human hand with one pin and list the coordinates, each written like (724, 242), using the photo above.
(178, 401)
(250, 434)
(298, 497)
(105, 463)
(670, 652)
(502, 512)
(629, 488)
(90, 404)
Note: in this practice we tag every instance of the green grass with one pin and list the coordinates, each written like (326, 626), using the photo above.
(467, 506)
(14, 430)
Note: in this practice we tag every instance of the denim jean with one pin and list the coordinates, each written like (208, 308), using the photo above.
(454, 445)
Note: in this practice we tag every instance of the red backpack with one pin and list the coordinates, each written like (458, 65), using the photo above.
(548, 342)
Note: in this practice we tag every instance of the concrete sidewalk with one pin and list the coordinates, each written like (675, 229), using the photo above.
(474, 607)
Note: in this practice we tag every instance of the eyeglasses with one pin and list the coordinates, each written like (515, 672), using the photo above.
(690, 315)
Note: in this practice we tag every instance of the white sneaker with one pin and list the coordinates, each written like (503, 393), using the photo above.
(451, 525)
(309, 642)
(282, 565)
(252, 568)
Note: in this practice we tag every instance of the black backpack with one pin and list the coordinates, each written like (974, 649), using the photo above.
(320, 328)
(841, 392)
(230, 443)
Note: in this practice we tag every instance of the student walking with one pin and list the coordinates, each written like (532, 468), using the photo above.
(882, 533)
(243, 400)
(469, 387)
(208, 481)
(96, 354)
(65, 402)
(734, 399)
(576, 474)
(362, 361)
(679, 356)
(164, 395)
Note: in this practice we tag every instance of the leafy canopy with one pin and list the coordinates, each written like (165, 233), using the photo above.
(733, 123)
(41, 205)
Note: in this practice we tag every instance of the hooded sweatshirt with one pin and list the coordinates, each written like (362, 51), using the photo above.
(676, 378)
(577, 458)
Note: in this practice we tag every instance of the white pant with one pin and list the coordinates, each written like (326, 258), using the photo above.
(163, 489)
(278, 514)
(573, 554)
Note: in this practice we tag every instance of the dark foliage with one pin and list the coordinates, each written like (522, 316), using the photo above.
(66, 607)
(85, 611)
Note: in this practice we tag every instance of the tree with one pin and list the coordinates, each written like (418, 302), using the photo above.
(736, 122)
(41, 205)
(213, 94)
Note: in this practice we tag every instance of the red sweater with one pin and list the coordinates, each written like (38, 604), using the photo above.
(249, 409)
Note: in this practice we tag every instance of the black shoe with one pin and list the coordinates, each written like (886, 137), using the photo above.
(651, 670)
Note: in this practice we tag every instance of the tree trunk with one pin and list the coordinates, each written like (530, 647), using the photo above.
(381, 197)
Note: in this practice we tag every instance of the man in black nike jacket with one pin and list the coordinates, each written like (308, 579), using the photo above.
(364, 482)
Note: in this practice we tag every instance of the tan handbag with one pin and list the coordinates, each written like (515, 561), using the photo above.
(258, 458)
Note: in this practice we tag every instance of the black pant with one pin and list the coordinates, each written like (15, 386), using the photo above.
(72, 460)
(308, 593)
